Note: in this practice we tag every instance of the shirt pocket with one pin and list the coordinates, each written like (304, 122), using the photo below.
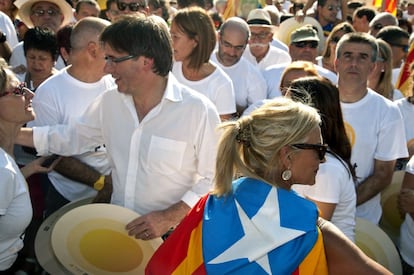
(165, 156)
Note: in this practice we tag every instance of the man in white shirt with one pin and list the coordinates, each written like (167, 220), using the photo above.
(249, 84)
(303, 46)
(260, 52)
(64, 97)
(373, 123)
(160, 136)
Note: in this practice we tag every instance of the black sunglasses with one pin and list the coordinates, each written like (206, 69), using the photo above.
(404, 47)
(303, 44)
(319, 148)
(131, 6)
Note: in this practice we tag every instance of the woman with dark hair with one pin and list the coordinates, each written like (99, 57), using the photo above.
(327, 58)
(194, 37)
(334, 190)
(41, 52)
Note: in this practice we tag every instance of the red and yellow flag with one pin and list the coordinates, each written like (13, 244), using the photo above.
(403, 82)
(386, 5)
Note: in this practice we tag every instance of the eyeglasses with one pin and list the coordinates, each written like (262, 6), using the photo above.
(20, 90)
(303, 44)
(50, 12)
(377, 26)
(260, 35)
(111, 59)
(331, 8)
(319, 148)
(404, 47)
(131, 6)
(335, 39)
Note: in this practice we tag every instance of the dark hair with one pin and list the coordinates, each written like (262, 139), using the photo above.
(198, 25)
(41, 39)
(190, 3)
(160, 4)
(403, 23)
(324, 96)
(63, 37)
(141, 36)
(392, 34)
(368, 12)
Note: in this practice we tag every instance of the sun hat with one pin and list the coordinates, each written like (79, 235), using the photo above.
(259, 18)
(304, 33)
(25, 10)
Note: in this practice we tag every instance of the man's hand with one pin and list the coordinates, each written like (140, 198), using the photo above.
(157, 223)
(35, 166)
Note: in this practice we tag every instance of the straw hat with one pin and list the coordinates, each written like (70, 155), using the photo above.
(25, 10)
(259, 18)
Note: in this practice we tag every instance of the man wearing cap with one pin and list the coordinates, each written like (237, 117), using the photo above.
(259, 51)
(249, 84)
(303, 47)
(51, 14)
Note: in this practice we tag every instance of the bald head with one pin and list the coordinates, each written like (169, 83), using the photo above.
(236, 24)
(87, 30)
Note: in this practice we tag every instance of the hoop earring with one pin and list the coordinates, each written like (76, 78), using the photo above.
(286, 175)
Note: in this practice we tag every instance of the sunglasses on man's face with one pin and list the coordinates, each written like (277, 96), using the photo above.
(131, 6)
(303, 44)
(378, 26)
(403, 47)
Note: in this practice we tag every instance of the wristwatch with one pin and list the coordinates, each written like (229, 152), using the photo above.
(3, 37)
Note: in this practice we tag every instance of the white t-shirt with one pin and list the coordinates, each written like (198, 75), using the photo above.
(166, 157)
(274, 56)
(249, 84)
(273, 77)
(407, 112)
(376, 131)
(334, 184)
(7, 26)
(15, 210)
(17, 58)
(58, 100)
(217, 87)
(407, 229)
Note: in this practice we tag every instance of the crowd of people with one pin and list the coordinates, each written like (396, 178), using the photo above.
(231, 144)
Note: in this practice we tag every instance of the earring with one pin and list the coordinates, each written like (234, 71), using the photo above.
(286, 175)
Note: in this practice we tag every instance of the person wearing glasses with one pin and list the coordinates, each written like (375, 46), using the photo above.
(303, 46)
(132, 7)
(51, 14)
(260, 51)
(326, 14)
(249, 84)
(380, 21)
(334, 188)
(374, 124)
(160, 135)
(251, 222)
(397, 39)
(15, 205)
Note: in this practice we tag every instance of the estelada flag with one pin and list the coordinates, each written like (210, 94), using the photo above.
(386, 5)
(257, 229)
(403, 82)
